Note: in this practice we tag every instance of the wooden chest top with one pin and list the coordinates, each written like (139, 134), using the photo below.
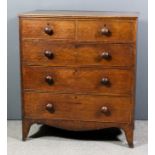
(80, 14)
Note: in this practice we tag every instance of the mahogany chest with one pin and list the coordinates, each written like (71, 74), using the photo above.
(78, 70)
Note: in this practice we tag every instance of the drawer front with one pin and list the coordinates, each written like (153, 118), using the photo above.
(105, 54)
(60, 54)
(47, 28)
(77, 107)
(47, 53)
(95, 80)
(106, 30)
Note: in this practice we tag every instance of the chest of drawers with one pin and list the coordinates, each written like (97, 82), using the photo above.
(78, 70)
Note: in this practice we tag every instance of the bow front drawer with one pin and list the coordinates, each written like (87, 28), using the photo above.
(83, 80)
(47, 53)
(77, 107)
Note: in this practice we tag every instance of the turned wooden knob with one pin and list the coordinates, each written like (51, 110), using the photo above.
(49, 79)
(48, 30)
(104, 110)
(105, 55)
(49, 54)
(50, 107)
(105, 81)
(105, 31)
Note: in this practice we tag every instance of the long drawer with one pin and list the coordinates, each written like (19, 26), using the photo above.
(77, 107)
(71, 79)
(47, 53)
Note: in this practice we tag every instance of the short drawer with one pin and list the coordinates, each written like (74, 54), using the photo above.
(77, 107)
(60, 54)
(48, 53)
(83, 80)
(106, 30)
(105, 54)
(47, 28)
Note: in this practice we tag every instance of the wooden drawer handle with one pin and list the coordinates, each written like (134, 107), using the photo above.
(48, 30)
(50, 107)
(106, 55)
(49, 54)
(105, 110)
(105, 81)
(105, 31)
(49, 79)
